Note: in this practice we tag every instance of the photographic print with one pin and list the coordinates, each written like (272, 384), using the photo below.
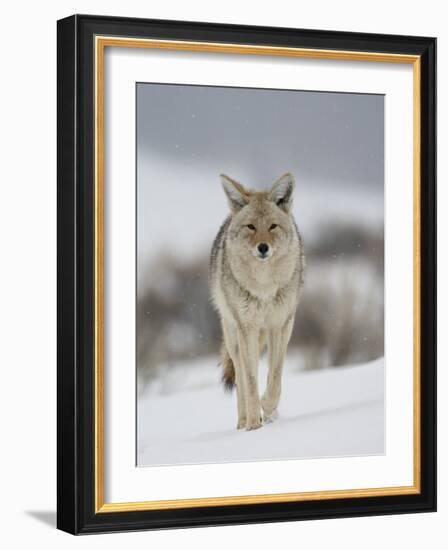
(260, 274)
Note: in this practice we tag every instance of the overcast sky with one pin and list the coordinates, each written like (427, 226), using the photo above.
(333, 143)
(325, 137)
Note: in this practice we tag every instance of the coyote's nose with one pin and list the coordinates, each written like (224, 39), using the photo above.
(263, 248)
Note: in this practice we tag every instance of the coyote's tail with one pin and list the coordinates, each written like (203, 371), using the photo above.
(228, 369)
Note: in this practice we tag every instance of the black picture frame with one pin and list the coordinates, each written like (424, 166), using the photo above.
(76, 286)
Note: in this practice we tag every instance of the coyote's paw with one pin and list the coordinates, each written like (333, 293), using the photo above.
(268, 418)
(254, 424)
(241, 424)
(269, 407)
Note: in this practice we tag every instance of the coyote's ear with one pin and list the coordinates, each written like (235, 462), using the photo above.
(282, 191)
(237, 196)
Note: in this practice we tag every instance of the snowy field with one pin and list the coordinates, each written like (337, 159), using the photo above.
(184, 416)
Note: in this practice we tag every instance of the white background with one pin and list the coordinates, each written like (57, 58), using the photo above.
(28, 273)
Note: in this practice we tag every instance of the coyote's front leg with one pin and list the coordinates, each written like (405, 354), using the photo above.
(248, 343)
(231, 342)
(277, 344)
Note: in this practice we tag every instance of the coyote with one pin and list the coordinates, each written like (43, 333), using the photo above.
(256, 274)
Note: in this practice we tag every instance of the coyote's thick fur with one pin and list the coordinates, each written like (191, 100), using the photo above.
(256, 273)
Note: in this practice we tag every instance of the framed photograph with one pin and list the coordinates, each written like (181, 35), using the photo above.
(246, 274)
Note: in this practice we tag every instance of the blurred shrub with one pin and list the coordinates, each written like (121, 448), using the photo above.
(175, 318)
(340, 319)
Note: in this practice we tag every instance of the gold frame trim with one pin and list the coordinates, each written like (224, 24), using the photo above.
(101, 42)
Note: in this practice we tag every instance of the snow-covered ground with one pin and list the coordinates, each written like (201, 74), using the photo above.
(185, 417)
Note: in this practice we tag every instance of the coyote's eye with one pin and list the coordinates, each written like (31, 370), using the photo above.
(251, 227)
(273, 226)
